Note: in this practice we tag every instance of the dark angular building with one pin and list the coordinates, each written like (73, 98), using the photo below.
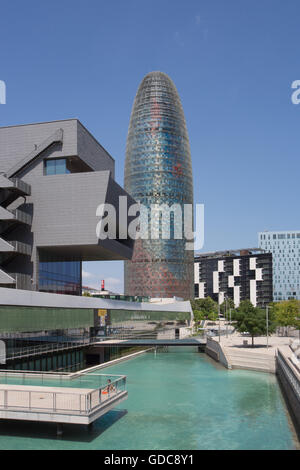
(158, 170)
(236, 274)
(53, 176)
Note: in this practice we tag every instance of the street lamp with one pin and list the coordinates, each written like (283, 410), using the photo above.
(226, 316)
(267, 324)
(219, 320)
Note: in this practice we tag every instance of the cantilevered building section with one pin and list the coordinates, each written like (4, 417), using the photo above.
(158, 170)
(237, 274)
(53, 176)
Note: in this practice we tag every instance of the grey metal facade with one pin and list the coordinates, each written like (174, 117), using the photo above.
(53, 214)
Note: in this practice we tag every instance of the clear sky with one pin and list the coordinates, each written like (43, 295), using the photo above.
(233, 63)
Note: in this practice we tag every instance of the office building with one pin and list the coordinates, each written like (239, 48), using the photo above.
(285, 249)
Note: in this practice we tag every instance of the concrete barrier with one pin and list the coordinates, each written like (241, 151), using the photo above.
(214, 350)
(289, 380)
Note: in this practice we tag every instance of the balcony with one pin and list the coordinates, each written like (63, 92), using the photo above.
(78, 398)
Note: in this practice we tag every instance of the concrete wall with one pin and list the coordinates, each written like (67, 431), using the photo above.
(290, 385)
(214, 350)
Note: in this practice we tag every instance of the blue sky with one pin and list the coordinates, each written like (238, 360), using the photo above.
(233, 63)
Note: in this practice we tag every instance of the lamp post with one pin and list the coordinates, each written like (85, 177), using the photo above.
(267, 324)
(219, 320)
(226, 316)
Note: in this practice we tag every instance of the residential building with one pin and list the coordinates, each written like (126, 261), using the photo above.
(236, 274)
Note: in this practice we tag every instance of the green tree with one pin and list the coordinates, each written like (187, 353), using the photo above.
(287, 314)
(198, 315)
(204, 307)
(230, 304)
(213, 316)
(253, 320)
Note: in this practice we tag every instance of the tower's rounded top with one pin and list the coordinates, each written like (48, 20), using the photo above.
(157, 82)
(157, 75)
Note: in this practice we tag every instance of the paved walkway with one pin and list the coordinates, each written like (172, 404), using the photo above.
(260, 343)
(261, 357)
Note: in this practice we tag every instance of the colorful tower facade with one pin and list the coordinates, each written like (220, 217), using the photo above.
(158, 170)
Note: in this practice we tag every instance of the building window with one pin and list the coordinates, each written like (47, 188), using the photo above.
(56, 166)
(59, 276)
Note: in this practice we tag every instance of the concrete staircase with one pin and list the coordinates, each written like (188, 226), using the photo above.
(239, 358)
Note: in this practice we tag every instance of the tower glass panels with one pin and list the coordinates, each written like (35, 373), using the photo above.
(158, 170)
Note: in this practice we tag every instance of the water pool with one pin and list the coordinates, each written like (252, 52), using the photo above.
(176, 400)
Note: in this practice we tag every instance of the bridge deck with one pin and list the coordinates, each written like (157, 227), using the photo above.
(151, 342)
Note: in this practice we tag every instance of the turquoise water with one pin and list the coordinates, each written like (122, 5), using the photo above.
(177, 400)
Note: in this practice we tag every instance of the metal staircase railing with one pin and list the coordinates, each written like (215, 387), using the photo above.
(10, 190)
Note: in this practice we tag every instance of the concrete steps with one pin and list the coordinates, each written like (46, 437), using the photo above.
(250, 361)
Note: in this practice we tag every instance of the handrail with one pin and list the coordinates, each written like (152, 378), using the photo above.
(19, 353)
(36, 350)
(87, 402)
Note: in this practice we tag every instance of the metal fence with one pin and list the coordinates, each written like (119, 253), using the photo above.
(52, 347)
(47, 401)
(18, 353)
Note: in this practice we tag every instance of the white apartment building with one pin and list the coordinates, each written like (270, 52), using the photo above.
(285, 249)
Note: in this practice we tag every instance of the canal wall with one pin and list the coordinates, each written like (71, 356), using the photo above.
(215, 351)
(240, 358)
(110, 363)
(289, 379)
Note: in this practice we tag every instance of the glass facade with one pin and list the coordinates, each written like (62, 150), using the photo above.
(59, 276)
(285, 249)
(158, 170)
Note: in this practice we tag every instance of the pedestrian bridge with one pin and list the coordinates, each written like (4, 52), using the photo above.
(198, 342)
